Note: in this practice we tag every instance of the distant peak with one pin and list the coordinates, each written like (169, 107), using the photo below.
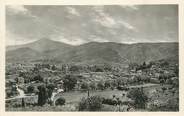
(45, 39)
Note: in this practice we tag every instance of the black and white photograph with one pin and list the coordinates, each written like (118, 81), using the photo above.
(92, 58)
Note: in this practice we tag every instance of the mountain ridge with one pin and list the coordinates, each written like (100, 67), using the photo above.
(94, 52)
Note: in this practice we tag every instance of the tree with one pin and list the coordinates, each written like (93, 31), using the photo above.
(100, 86)
(69, 82)
(139, 97)
(164, 89)
(74, 68)
(84, 86)
(30, 89)
(107, 84)
(50, 88)
(42, 95)
(144, 64)
(99, 69)
(114, 84)
(53, 67)
(176, 70)
(92, 86)
(38, 78)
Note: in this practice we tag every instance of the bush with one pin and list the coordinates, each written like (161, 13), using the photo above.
(85, 86)
(107, 84)
(93, 103)
(30, 89)
(100, 86)
(109, 101)
(139, 97)
(99, 69)
(38, 78)
(164, 89)
(171, 104)
(122, 88)
(92, 86)
(60, 101)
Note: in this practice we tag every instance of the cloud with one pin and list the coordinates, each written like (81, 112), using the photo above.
(14, 39)
(103, 18)
(71, 40)
(73, 11)
(127, 25)
(111, 22)
(17, 9)
(133, 7)
(98, 39)
(130, 7)
(80, 24)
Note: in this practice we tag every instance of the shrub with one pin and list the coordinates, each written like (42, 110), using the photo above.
(85, 86)
(139, 97)
(164, 89)
(100, 86)
(93, 103)
(92, 86)
(60, 101)
(74, 68)
(30, 89)
(171, 104)
(107, 84)
(122, 88)
(99, 70)
(109, 101)
(38, 78)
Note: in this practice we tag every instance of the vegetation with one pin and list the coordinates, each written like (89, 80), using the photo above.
(93, 103)
(109, 101)
(42, 95)
(139, 97)
(30, 89)
(130, 86)
(60, 101)
(69, 82)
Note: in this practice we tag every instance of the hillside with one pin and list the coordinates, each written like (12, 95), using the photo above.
(44, 48)
(21, 54)
(43, 45)
(120, 53)
(93, 52)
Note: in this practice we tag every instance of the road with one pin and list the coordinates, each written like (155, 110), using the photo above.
(21, 94)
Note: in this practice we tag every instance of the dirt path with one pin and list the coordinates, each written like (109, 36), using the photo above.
(144, 85)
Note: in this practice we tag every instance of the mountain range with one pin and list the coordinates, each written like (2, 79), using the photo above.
(92, 52)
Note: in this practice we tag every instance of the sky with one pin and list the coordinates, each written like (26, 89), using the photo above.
(77, 24)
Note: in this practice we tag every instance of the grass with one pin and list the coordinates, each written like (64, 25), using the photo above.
(73, 97)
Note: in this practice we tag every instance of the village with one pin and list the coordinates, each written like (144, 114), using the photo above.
(65, 85)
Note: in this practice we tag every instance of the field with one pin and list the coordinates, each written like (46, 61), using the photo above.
(73, 98)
